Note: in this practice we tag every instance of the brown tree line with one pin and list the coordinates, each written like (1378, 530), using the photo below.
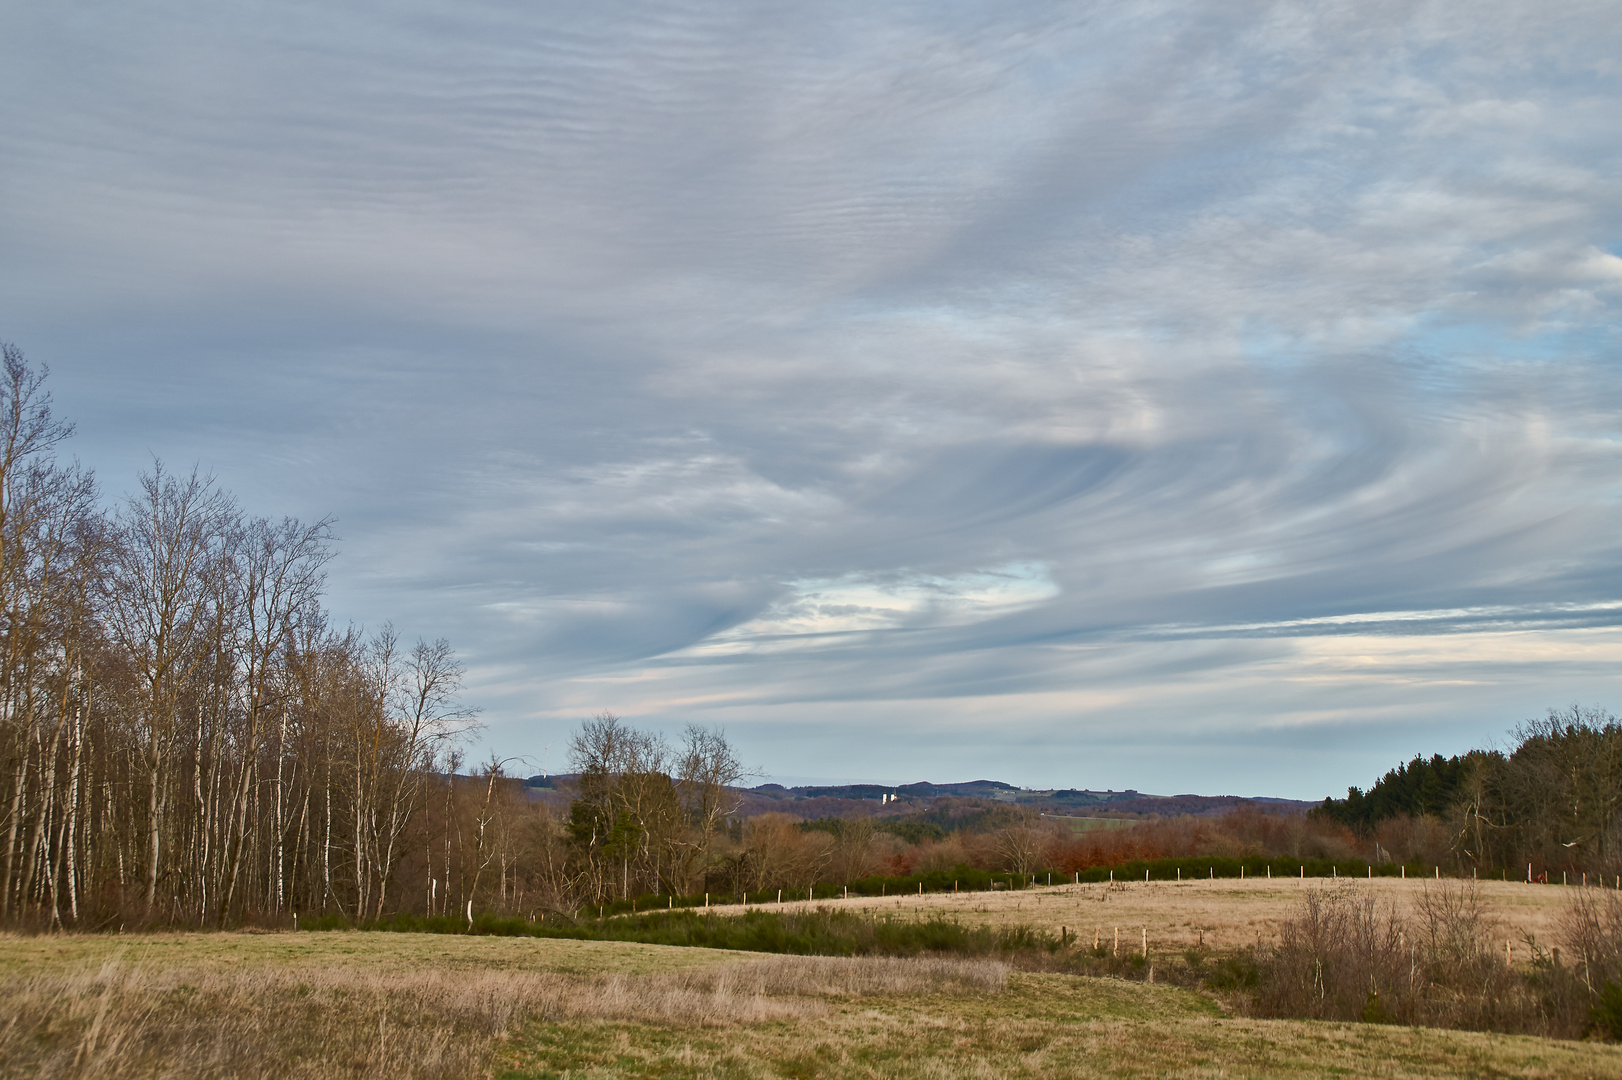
(185, 737)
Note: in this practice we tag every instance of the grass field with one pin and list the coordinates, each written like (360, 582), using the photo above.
(378, 1004)
(1040, 1026)
(1226, 913)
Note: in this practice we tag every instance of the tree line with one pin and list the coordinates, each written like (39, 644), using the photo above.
(185, 734)
(1554, 801)
(187, 737)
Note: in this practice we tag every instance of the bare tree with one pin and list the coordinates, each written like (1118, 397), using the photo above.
(708, 773)
(418, 711)
(183, 737)
(277, 582)
(778, 853)
(853, 848)
(1020, 844)
(29, 432)
(172, 541)
(627, 816)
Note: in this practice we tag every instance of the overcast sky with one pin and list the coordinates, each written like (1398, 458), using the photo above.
(1190, 397)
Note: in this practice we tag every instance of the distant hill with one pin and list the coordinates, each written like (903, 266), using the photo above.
(843, 800)
(969, 801)
(984, 789)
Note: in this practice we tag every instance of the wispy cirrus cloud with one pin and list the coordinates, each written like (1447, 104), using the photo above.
(972, 386)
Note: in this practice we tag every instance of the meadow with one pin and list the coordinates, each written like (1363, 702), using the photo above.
(365, 1004)
(1221, 914)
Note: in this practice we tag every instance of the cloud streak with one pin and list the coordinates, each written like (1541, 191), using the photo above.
(1108, 397)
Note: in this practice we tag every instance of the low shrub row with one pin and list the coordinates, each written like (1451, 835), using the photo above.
(818, 932)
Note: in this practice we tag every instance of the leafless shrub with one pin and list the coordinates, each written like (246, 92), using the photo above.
(1346, 956)
(1591, 987)
(1591, 930)
(1343, 950)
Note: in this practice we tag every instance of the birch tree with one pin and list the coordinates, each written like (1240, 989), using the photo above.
(171, 543)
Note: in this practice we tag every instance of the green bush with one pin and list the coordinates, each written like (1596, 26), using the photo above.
(1607, 1011)
(1373, 1011)
(812, 933)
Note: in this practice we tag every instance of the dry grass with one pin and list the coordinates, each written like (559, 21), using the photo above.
(128, 1021)
(396, 1005)
(1225, 914)
(1043, 1027)
(24, 954)
(128, 1018)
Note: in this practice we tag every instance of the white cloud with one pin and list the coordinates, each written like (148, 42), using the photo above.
(698, 360)
(856, 602)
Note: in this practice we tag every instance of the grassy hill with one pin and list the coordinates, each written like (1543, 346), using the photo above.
(429, 1006)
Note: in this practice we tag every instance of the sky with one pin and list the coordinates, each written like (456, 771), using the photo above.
(1189, 397)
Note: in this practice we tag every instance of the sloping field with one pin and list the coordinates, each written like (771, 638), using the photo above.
(402, 1005)
(365, 954)
(319, 1005)
(1042, 1027)
(1226, 913)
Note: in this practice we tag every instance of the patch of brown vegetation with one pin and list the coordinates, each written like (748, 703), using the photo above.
(1221, 914)
(128, 1019)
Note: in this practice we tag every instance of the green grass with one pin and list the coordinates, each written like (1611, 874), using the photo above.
(22, 955)
(1040, 1027)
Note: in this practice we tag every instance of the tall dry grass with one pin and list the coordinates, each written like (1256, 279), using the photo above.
(125, 1020)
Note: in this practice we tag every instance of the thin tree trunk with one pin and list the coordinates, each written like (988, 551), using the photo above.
(200, 845)
(71, 841)
(236, 841)
(153, 809)
(17, 804)
(281, 837)
(326, 839)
